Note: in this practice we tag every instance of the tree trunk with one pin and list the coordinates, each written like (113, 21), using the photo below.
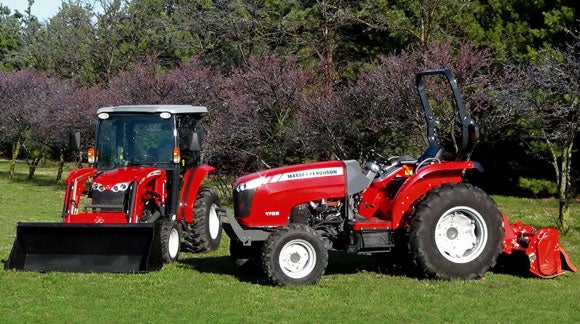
(60, 165)
(32, 166)
(15, 152)
(564, 185)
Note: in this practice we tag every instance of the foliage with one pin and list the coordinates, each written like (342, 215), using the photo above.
(538, 187)
(10, 39)
(519, 29)
(543, 96)
(260, 122)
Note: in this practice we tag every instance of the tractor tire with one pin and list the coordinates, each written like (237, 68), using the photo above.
(170, 234)
(206, 230)
(294, 255)
(455, 232)
(246, 258)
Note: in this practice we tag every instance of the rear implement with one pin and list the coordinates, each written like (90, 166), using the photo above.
(541, 247)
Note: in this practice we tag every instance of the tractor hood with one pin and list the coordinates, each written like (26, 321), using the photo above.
(281, 189)
(120, 179)
(302, 172)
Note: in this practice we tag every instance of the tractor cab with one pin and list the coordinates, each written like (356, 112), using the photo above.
(141, 143)
(148, 136)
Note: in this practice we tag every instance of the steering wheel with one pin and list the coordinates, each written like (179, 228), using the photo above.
(374, 155)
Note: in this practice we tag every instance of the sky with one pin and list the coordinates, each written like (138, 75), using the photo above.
(42, 9)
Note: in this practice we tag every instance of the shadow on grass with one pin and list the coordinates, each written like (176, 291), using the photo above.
(338, 263)
(516, 264)
(37, 180)
(223, 265)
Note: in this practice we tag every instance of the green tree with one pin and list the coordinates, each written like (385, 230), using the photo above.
(10, 39)
(63, 46)
(544, 97)
(520, 28)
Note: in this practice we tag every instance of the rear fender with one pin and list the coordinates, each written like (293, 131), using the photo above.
(192, 181)
(424, 180)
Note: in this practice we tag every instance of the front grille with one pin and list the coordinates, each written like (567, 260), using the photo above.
(109, 198)
(243, 202)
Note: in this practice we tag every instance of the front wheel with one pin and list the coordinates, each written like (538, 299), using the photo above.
(206, 230)
(294, 255)
(170, 234)
(456, 232)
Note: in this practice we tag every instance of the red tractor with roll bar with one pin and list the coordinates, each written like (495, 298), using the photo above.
(286, 219)
(141, 200)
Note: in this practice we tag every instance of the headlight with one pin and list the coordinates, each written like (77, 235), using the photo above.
(252, 184)
(116, 188)
(120, 187)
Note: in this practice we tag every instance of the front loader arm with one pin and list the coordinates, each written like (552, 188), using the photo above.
(75, 186)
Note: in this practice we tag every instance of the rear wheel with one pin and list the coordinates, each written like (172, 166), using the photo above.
(456, 232)
(206, 230)
(294, 255)
(170, 240)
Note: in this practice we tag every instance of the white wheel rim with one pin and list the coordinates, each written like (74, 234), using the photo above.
(214, 222)
(461, 234)
(173, 245)
(297, 259)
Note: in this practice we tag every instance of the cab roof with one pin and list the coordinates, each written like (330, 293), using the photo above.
(154, 109)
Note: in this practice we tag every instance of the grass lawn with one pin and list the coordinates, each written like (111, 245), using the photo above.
(205, 287)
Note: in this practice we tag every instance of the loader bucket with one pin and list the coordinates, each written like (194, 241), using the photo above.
(63, 247)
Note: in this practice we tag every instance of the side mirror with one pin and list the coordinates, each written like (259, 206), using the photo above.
(194, 142)
(75, 140)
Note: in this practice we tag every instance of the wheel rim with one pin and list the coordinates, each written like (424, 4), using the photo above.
(173, 244)
(461, 234)
(297, 259)
(214, 222)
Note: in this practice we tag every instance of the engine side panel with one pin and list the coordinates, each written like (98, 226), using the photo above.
(277, 191)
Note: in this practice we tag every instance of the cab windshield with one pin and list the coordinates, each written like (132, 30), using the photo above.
(135, 139)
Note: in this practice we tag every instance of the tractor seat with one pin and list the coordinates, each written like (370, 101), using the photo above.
(434, 153)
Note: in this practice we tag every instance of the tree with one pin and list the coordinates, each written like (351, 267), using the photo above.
(519, 29)
(10, 39)
(63, 47)
(29, 100)
(382, 107)
(259, 120)
(544, 97)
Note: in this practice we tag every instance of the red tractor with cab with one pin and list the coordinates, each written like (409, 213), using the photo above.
(141, 200)
(286, 219)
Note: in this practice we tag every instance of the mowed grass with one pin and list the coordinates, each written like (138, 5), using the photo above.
(203, 288)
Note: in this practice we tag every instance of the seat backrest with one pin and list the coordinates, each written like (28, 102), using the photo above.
(434, 151)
